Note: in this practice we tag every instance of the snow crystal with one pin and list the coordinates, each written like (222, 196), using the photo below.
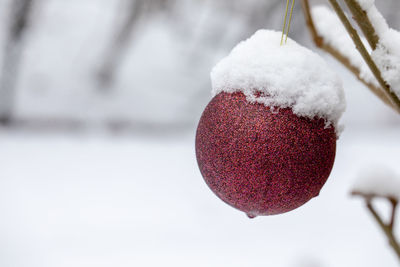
(387, 53)
(331, 29)
(288, 76)
(379, 181)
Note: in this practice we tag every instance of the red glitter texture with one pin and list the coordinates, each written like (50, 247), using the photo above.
(260, 161)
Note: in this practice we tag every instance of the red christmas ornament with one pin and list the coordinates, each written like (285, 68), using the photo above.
(260, 160)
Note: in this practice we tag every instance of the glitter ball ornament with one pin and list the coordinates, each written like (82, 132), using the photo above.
(259, 161)
(266, 142)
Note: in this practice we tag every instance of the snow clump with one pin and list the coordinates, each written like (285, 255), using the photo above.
(287, 76)
(331, 29)
(387, 53)
(380, 181)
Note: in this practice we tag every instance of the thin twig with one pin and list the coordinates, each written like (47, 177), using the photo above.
(360, 16)
(394, 203)
(364, 53)
(386, 229)
(320, 42)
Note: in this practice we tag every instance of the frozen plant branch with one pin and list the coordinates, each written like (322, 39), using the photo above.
(364, 53)
(321, 43)
(382, 90)
(387, 228)
(380, 182)
(360, 16)
(381, 78)
(394, 209)
(362, 19)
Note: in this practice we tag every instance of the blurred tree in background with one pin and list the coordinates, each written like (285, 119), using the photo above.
(153, 57)
(18, 21)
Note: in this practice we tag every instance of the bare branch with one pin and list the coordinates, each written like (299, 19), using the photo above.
(120, 44)
(363, 22)
(369, 196)
(386, 229)
(394, 203)
(14, 46)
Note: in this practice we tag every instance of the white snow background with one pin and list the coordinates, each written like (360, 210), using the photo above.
(96, 199)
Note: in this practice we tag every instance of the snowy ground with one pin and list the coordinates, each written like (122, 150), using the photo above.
(99, 201)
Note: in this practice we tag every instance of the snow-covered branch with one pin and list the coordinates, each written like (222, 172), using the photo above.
(384, 41)
(330, 35)
(380, 182)
(377, 67)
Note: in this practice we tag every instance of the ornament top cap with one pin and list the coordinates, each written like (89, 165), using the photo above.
(289, 76)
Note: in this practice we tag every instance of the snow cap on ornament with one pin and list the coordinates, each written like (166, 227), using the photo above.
(281, 76)
(266, 142)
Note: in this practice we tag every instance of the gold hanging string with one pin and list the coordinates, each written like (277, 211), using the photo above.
(285, 30)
